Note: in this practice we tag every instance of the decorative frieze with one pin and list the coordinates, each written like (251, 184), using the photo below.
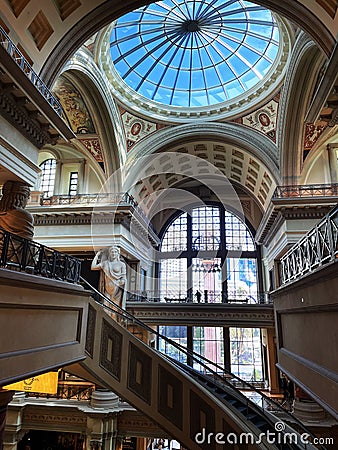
(264, 119)
(136, 128)
(226, 315)
(74, 421)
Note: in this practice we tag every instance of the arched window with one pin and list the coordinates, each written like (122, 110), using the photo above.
(48, 168)
(209, 255)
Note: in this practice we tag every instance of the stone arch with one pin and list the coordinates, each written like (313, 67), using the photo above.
(300, 83)
(85, 75)
(210, 150)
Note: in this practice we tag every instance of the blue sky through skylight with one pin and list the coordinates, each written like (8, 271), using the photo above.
(198, 53)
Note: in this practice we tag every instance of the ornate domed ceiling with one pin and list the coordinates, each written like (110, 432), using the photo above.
(195, 57)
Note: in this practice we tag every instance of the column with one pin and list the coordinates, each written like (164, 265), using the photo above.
(5, 398)
(272, 359)
(141, 444)
(332, 154)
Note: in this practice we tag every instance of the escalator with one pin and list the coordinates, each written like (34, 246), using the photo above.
(234, 399)
(200, 410)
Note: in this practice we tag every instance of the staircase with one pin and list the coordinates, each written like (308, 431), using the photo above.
(190, 406)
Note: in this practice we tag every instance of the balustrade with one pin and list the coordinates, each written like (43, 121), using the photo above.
(311, 190)
(157, 296)
(96, 200)
(13, 51)
(17, 253)
(318, 247)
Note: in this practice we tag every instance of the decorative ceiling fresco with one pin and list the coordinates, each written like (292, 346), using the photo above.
(73, 106)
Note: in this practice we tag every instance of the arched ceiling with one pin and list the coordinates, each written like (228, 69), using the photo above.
(49, 32)
(201, 162)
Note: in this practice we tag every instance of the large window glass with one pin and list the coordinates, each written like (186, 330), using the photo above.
(209, 342)
(215, 259)
(48, 168)
(177, 334)
(173, 279)
(206, 233)
(175, 238)
(246, 354)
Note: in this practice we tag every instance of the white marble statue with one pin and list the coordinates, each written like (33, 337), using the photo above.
(113, 273)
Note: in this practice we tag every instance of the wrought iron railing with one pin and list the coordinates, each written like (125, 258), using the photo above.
(17, 253)
(310, 190)
(22, 62)
(157, 296)
(80, 391)
(318, 247)
(102, 198)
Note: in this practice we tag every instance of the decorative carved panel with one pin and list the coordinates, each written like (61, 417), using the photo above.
(111, 350)
(18, 6)
(330, 6)
(93, 145)
(66, 7)
(264, 120)
(201, 416)
(170, 393)
(140, 373)
(136, 128)
(40, 29)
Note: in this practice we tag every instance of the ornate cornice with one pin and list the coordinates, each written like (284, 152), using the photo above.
(140, 424)
(291, 209)
(35, 419)
(48, 216)
(18, 116)
(211, 314)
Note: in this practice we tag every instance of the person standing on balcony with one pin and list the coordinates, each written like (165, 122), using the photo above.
(113, 274)
(13, 216)
(198, 296)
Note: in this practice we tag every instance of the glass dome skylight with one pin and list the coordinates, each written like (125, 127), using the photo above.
(186, 53)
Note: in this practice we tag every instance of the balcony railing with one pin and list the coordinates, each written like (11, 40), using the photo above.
(81, 391)
(17, 253)
(212, 297)
(84, 199)
(26, 68)
(318, 247)
(311, 190)
(118, 199)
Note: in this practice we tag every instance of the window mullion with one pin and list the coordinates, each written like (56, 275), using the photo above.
(189, 257)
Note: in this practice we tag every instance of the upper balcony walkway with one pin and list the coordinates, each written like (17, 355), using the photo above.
(24, 95)
(86, 210)
(213, 309)
(297, 202)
